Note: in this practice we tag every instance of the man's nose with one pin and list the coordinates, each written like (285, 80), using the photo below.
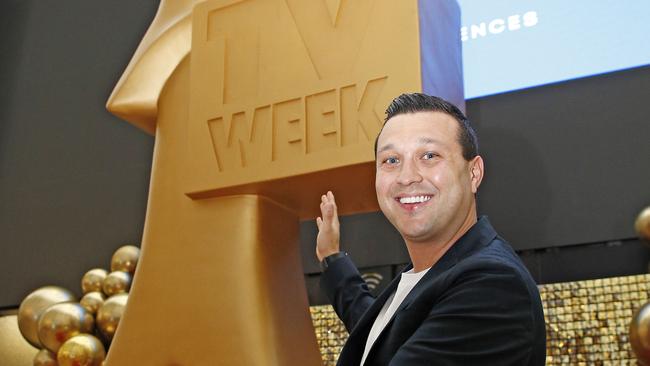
(409, 173)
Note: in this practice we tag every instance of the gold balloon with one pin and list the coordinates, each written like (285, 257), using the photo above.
(93, 280)
(45, 358)
(640, 334)
(33, 306)
(116, 283)
(642, 224)
(92, 301)
(109, 315)
(62, 321)
(125, 259)
(81, 350)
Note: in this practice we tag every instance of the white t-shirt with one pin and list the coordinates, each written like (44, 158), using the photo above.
(406, 283)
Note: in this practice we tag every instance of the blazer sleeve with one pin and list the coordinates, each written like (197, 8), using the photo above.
(346, 290)
(483, 318)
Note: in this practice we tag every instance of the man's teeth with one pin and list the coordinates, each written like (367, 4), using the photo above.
(415, 199)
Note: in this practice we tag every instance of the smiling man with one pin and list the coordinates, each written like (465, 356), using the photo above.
(466, 299)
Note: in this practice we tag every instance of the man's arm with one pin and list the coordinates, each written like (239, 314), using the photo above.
(347, 291)
(341, 281)
(484, 318)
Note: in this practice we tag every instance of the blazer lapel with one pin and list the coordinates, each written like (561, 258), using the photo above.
(353, 350)
(369, 316)
(478, 236)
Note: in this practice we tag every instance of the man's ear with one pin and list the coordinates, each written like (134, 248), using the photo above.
(476, 170)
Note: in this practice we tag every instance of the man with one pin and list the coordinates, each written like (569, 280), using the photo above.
(467, 299)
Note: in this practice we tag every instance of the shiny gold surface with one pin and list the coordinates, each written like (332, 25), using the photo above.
(642, 224)
(14, 349)
(125, 259)
(110, 313)
(254, 128)
(640, 334)
(166, 43)
(81, 350)
(587, 322)
(116, 283)
(330, 332)
(93, 280)
(45, 358)
(92, 301)
(240, 295)
(33, 306)
(62, 321)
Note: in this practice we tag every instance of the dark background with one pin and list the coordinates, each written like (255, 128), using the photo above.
(566, 164)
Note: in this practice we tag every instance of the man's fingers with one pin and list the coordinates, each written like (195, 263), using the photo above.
(328, 209)
(328, 212)
(325, 211)
(335, 214)
(319, 222)
(330, 198)
(333, 202)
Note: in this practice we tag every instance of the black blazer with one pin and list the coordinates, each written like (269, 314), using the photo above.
(478, 305)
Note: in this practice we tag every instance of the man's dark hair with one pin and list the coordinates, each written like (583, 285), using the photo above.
(418, 102)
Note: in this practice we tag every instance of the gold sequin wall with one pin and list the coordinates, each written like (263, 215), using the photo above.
(586, 322)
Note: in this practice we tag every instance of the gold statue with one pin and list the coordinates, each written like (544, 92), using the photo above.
(257, 106)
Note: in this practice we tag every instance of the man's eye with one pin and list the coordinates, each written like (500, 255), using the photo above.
(429, 155)
(391, 161)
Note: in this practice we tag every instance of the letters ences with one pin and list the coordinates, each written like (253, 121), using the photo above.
(499, 25)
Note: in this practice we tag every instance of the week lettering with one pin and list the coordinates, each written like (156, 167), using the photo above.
(330, 119)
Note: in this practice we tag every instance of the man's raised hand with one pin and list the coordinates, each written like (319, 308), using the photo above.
(327, 241)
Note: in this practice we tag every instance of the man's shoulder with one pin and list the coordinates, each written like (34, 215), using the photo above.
(497, 256)
(497, 251)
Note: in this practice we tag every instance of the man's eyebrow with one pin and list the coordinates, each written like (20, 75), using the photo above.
(428, 140)
(385, 147)
(421, 141)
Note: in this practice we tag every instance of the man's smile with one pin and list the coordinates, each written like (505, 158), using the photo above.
(413, 202)
(413, 199)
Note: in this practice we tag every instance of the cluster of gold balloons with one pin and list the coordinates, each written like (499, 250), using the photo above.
(640, 325)
(79, 333)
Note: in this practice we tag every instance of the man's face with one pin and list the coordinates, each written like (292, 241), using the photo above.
(424, 185)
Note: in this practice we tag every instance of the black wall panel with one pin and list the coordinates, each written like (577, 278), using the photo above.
(73, 178)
